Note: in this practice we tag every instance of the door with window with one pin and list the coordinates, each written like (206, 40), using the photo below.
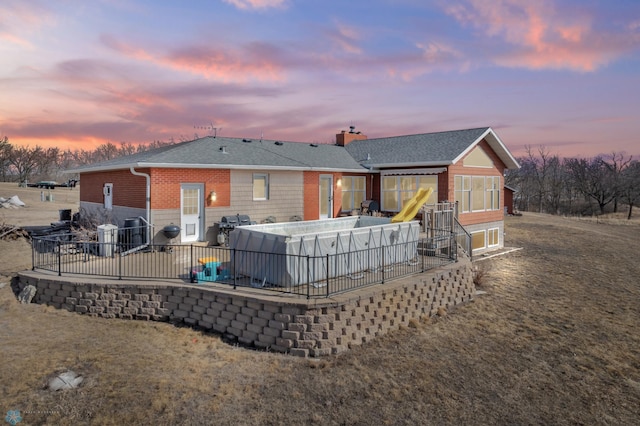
(107, 191)
(191, 212)
(326, 196)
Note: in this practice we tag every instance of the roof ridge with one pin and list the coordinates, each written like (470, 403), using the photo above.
(428, 133)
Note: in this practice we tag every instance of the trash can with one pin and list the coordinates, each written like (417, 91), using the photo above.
(107, 239)
(132, 233)
(65, 214)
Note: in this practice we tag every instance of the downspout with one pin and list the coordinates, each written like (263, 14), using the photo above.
(148, 196)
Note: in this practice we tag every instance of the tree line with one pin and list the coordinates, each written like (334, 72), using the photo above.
(544, 183)
(31, 164)
(547, 183)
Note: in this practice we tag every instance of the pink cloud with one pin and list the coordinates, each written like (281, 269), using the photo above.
(13, 39)
(544, 38)
(20, 19)
(255, 61)
(256, 4)
(346, 38)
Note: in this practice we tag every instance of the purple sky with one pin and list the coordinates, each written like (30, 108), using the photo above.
(564, 74)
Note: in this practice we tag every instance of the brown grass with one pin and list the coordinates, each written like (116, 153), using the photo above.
(554, 341)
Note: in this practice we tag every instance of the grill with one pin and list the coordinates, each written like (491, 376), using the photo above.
(231, 222)
(228, 223)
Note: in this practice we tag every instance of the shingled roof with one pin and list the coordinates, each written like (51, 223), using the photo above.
(426, 149)
(422, 150)
(236, 153)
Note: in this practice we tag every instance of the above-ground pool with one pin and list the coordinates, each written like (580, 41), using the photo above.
(294, 253)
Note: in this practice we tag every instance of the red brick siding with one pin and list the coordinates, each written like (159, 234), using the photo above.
(128, 190)
(311, 182)
(165, 186)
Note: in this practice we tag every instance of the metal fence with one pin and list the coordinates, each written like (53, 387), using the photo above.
(310, 276)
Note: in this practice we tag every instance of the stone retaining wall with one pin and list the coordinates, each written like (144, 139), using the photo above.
(281, 323)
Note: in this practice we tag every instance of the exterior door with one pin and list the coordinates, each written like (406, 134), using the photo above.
(107, 191)
(191, 212)
(326, 196)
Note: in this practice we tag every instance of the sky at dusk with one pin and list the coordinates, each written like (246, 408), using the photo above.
(563, 74)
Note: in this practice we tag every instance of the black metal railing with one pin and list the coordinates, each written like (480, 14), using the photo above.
(463, 238)
(310, 276)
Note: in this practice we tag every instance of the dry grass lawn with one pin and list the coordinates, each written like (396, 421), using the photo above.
(553, 341)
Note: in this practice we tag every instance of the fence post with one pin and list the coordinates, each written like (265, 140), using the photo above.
(119, 266)
(383, 264)
(235, 275)
(33, 253)
(59, 259)
(424, 248)
(191, 267)
(308, 277)
(328, 274)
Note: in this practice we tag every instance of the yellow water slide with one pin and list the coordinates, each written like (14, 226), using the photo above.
(411, 208)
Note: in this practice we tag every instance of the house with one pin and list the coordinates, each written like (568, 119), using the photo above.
(195, 183)
(509, 199)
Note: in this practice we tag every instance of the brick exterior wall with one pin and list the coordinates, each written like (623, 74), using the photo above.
(165, 186)
(307, 328)
(128, 190)
(311, 184)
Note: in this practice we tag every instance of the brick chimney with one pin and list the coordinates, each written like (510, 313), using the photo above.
(344, 138)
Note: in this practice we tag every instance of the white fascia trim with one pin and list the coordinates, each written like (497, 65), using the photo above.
(414, 171)
(496, 144)
(211, 166)
(248, 167)
(415, 165)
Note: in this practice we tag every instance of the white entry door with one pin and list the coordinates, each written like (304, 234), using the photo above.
(326, 196)
(191, 212)
(107, 191)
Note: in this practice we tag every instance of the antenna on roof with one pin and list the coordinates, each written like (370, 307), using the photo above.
(213, 131)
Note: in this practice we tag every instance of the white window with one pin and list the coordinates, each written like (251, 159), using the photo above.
(462, 189)
(492, 193)
(477, 193)
(353, 192)
(493, 236)
(398, 190)
(260, 186)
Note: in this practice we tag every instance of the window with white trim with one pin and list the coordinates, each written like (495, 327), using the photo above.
(398, 190)
(353, 192)
(260, 186)
(492, 192)
(477, 193)
(493, 237)
(462, 189)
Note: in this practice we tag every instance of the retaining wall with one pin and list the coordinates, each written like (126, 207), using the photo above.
(281, 323)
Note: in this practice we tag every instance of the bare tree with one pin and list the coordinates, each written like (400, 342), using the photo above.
(5, 156)
(616, 163)
(25, 160)
(592, 178)
(105, 151)
(629, 191)
(540, 180)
